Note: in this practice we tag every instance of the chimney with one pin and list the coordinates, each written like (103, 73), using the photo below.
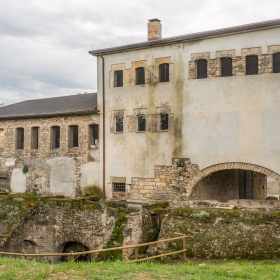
(154, 29)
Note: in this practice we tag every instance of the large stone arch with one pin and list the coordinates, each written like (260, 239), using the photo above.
(201, 174)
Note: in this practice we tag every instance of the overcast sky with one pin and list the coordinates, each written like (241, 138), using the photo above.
(44, 44)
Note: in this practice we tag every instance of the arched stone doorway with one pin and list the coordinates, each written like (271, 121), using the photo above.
(229, 181)
(75, 247)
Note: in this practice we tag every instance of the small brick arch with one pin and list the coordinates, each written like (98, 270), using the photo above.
(236, 165)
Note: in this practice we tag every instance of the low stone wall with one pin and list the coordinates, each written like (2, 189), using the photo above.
(220, 233)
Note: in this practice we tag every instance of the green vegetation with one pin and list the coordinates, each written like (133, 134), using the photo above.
(15, 269)
(25, 169)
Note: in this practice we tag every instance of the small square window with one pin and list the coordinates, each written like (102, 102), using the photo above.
(119, 187)
(119, 123)
(164, 123)
(141, 122)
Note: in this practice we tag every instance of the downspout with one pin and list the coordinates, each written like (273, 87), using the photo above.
(103, 120)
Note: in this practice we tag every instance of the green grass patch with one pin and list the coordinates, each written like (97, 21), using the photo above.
(31, 270)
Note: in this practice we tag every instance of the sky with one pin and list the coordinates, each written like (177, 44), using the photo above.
(44, 44)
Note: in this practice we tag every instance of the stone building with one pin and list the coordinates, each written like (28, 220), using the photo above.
(192, 117)
(50, 146)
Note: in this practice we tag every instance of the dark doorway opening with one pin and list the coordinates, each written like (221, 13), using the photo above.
(75, 247)
(245, 184)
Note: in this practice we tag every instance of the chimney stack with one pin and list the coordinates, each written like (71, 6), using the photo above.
(154, 29)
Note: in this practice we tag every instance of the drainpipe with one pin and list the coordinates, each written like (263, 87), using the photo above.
(103, 120)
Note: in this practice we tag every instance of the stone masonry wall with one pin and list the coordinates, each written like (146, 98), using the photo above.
(55, 222)
(222, 234)
(56, 171)
(238, 62)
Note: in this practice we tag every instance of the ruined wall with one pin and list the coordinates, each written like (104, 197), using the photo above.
(54, 222)
(64, 170)
(223, 234)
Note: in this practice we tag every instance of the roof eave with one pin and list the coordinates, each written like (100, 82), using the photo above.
(191, 37)
(88, 112)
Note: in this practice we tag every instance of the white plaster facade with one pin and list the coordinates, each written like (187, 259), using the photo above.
(216, 120)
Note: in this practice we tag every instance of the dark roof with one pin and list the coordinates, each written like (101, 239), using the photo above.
(55, 106)
(191, 37)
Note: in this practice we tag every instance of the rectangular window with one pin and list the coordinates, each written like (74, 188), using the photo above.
(118, 78)
(55, 137)
(226, 66)
(140, 75)
(73, 137)
(276, 63)
(93, 136)
(119, 187)
(119, 123)
(201, 69)
(164, 72)
(2, 138)
(20, 138)
(164, 125)
(252, 67)
(141, 123)
(34, 137)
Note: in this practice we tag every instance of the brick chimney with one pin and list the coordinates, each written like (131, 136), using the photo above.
(154, 29)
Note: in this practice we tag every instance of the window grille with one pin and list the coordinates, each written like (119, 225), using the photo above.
(119, 124)
(55, 137)
(20, 138)
(226, 66)
(34, 137)
(118, 78)
(140, 75)
(276, 63)
(119, 187)
(201, 68)
(74, 137)
(164, 122)
(141, 123)
(252, 66)
(164, 72)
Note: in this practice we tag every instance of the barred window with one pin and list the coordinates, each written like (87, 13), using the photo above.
(276, 63)
(164, 72)
(252, 66)
(164, 122)
(201, 68)
(119, 187)
(226, 66)
(140, 75)
(119, 123)
(118, 78)
(141, 123)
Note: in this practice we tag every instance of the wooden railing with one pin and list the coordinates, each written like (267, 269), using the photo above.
(72, 255)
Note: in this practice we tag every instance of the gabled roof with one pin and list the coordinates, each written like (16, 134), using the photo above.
(48, 107)
(191, 37)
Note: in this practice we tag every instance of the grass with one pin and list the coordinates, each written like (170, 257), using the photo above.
(13, 269)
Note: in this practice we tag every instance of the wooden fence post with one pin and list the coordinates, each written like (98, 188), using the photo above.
(184, 247)
(136, 253)
(72, 257)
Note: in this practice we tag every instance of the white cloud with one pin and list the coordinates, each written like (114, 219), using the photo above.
(44, 44)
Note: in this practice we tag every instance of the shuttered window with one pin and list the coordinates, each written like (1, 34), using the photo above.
(252, 67)
(226, 66)
(164, 72)
(201, 68)
(118, 78)
(276, 63)
(140, 75)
